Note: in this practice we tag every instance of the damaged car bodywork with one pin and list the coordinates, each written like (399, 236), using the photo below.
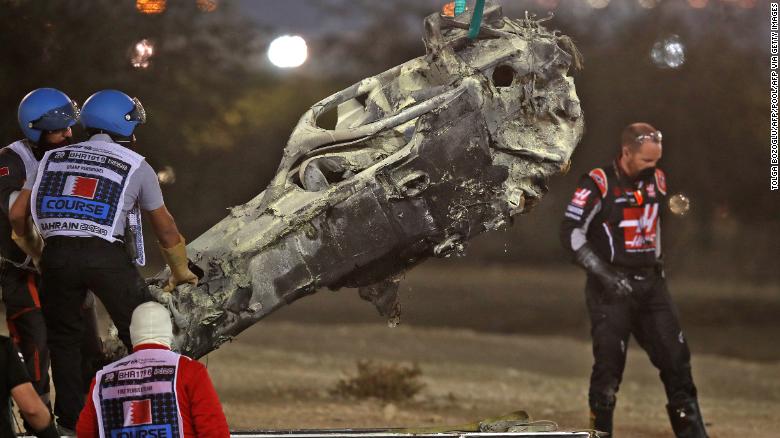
(423, 157)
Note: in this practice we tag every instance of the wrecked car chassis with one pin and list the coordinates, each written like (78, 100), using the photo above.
(424, 157)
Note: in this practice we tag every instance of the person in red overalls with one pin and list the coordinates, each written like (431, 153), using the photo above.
(154, 391)
(612, 228)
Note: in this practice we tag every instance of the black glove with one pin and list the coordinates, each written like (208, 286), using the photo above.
(615, 283)
(49, 432)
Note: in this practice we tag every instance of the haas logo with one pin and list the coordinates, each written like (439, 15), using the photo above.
(580, 197)
(640, 227)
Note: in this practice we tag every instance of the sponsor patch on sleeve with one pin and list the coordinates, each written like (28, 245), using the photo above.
(580, 197)
(574, 212)
(600, 178)
(660, 180)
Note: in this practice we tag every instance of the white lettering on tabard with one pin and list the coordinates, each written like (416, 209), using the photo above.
(55, 166)
(83, 168)
(150, 388)
(87, 157)
(136, 373)
(118, 164)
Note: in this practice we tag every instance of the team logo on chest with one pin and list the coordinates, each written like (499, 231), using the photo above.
(640, 227)
(80, 186)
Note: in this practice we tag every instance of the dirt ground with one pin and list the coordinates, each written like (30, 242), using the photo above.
(491, 340)
(494, 340)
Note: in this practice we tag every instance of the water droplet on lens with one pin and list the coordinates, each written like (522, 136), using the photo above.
(668, 52)
(679, 204)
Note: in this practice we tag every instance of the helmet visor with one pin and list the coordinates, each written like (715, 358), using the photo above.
(138, 114)
(57, 118)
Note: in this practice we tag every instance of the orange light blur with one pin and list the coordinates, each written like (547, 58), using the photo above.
(150, 6)
(448, 10)
(698, 4)
(208, 5)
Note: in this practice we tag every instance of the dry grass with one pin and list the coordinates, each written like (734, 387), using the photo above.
(387, 382)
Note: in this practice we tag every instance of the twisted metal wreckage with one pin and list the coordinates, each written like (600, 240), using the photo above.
(424, 157)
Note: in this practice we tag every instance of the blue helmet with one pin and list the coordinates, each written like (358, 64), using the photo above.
(112, 111)
(46, 109)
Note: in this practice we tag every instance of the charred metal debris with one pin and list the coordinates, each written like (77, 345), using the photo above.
(423, 157)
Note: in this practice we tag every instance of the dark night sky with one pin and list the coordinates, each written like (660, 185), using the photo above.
(312, 17)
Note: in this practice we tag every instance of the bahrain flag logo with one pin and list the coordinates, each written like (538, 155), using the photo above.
(137, 412)
(80, 186)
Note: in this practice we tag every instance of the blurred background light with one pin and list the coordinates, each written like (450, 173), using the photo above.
(698, 4)
(166, 175)
(668, 52)
(598, 4)
(150, 6)
(288, 51)
(649, 4)
(142, 53)
(208, 5)
(679, 204)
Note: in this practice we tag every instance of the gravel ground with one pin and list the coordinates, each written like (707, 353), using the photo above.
(494, 340)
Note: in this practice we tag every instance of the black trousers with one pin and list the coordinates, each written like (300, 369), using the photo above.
(71, 266)
(652, 318)
(25, 323)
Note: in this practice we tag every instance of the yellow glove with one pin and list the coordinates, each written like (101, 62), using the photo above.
(31, 243)
(176, 258)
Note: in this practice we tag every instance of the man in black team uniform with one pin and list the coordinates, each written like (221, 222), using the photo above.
(81, 201)
(45, 116)
(15, 383)
(612, 227)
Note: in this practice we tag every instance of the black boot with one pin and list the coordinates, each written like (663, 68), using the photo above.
(686, 419)
(601, 419)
